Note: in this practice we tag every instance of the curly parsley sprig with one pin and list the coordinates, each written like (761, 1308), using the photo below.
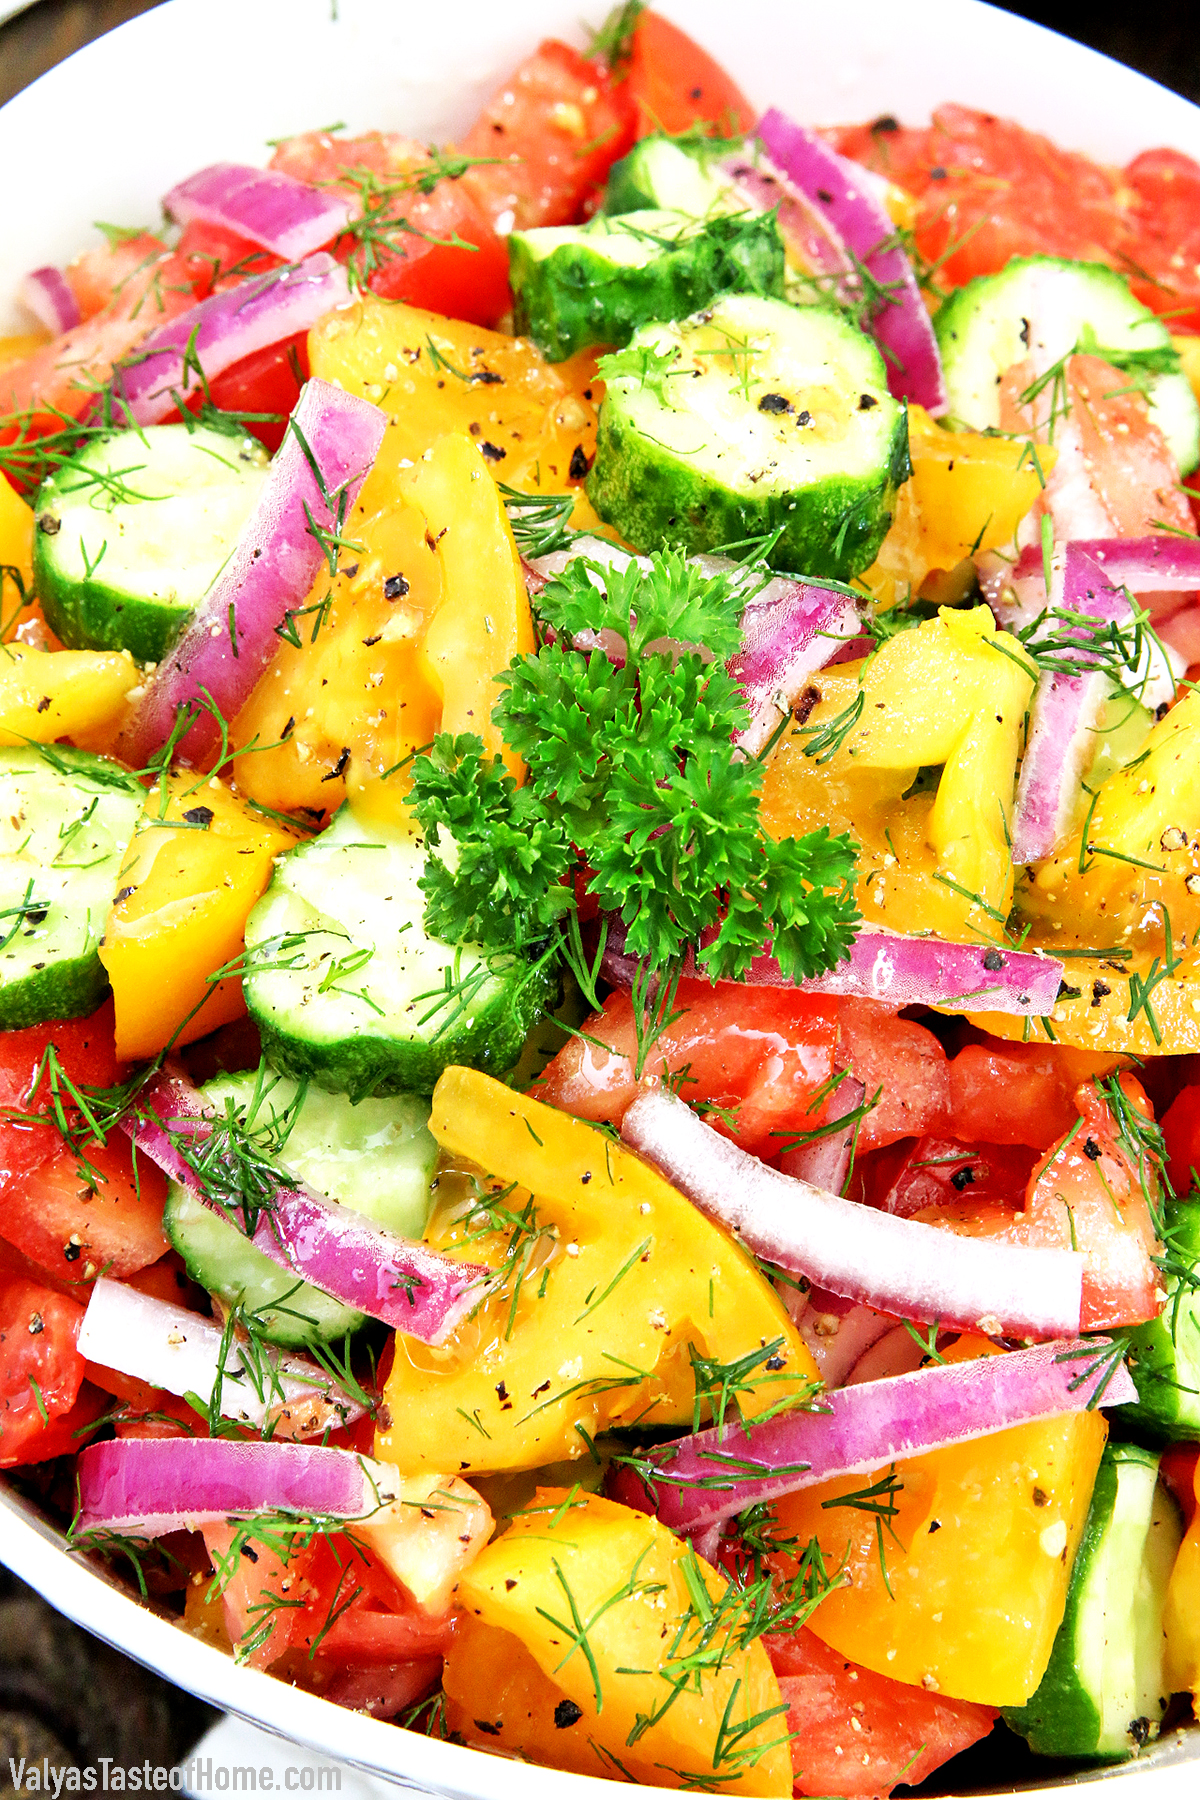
(635, 790)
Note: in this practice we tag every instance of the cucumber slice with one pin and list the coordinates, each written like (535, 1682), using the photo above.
(351, 992)
(1164, 1355)
(747, 418)
(132, 532)
(983, 329)
(377, 1157)
(659, 173)
(66, 818)
(292, 1312)
(1103, 1693)
(576, 285)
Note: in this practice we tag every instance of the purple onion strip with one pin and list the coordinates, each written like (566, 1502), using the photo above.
(285, 216)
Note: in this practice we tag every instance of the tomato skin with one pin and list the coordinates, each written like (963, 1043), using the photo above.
(764, 1052)
(558, 124)
(899, 1733)
(75, 1230)
(674, 84)
(1165, 225)
(38, 1330)
(96, 276)
(1181, 1129)
(1085, 1195)
(1013, 191)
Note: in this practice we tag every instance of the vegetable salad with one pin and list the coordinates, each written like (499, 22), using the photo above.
(600, 873)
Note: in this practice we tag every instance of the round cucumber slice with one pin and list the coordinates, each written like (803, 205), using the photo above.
(132, 532)
(751, 418)
(986, 327)
(349, 991)
(292, 1312)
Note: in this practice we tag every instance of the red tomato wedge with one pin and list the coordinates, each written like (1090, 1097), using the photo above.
(1085, 1195)
(435, 249)
(858, 1733)
(99, 276)
(217, 258)
(761, 1054)
(904, 1064)
(76, 1224)
(556, 126)
(40, 1369)
(938, 1171)
(1018, 1093)
(85, 1056)
(1164, 257)
(675, 85)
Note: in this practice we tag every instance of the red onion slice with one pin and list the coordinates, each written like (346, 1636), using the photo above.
(175, 1349)
(902, 326)
(270, 208)
(899, 971)
(894, 1265)
(805, 227)
(146, 1487)
(232, 635)
(50, 298)
(346, 1255)
(789, 631)
(1094, 574)
(219, 332)
(715, 1473)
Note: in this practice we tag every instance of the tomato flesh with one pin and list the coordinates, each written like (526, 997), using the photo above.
(41, 1371)
(859, 1733)
(85, 1057)
(556, 126)
(77, 1226)
(676, 85)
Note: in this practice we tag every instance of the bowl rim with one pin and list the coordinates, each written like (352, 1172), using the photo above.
(34, 1548)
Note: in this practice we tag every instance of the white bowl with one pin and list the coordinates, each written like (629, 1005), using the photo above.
(104, 134)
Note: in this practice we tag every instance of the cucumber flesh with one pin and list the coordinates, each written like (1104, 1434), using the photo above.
(751, 417)
(288, 1311)
(658, 173)
(66, 818)
(1164, 1354)
(1102, 1695)
(132, 532)
(377, 1157)
(578, 285)
(1043, 306)
(349, 991)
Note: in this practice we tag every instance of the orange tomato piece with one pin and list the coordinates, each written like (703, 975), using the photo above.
(676, 85)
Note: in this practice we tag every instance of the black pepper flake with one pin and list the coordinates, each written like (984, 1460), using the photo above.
(491, 1730)
(493, 452)
(993, 962)
(1099, 990)
(36, 914)
(199, 815)
(579, 464)
(886, 122)
(1067, 992)
(937, 173)
(369, 642)
(539, 1390)
(250, 1553)
(488, 378)
(36, 1324)
(934, 1525)
(1139, 1731)
(775, 403)
(567, 1713)
(804, 705)
(339, 767)
(1092, 1150)
(1024, 333)
(395, 587)
(288, 729)
(824, 195)
(1040, 1497)
(72, 1251)
(696, 93)
(49, 524)
(586, 1177)
(774, 1362)
(804, 417)
(43, 704)
(350, 571)
(962, 1178)
(866, 402)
